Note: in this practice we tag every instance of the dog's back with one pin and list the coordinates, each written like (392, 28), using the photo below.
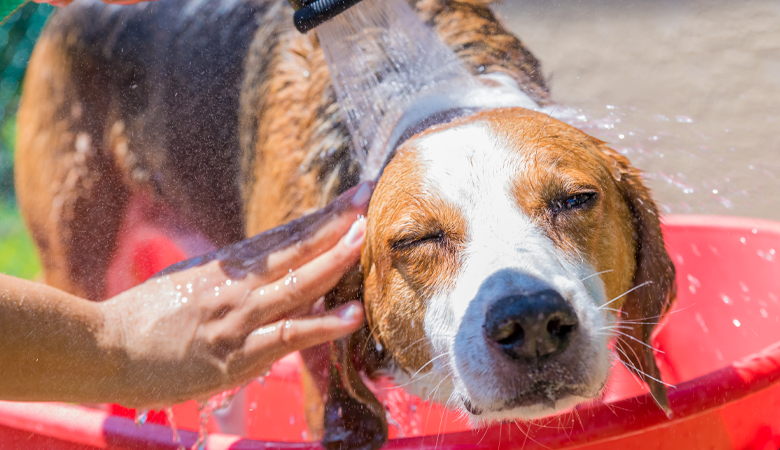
(217, 115)
(129, 101)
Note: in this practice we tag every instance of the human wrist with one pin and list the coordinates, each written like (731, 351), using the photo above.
(117, 361)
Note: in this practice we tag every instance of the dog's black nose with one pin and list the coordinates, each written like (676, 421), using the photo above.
(531, 326)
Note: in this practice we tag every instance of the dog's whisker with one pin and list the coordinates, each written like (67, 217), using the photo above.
(628, 365)
(596, 274)
(637, 340)
(625, 293)
(639, 371)
(656, 317)
(411, 379)
(569, 150)
(615, 327)
(616, 310)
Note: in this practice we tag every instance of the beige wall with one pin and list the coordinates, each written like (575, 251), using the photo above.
(661, 64)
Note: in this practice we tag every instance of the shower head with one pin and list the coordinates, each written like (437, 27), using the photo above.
(310, 14)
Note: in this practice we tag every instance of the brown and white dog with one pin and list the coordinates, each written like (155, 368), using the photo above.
(501, 242)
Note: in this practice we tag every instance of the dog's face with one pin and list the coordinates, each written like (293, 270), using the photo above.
(500, 249)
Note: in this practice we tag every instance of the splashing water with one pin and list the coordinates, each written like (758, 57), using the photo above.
(382, 59)
(207, 408)
(172, 422)
(140, 417)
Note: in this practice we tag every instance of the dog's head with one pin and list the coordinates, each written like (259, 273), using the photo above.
(501, 248)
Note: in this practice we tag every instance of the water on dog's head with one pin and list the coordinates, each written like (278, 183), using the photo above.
(383, 60)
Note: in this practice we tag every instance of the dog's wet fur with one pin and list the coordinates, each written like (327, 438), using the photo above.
(221, 114)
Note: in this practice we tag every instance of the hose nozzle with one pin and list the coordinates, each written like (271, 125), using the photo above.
(310, 14)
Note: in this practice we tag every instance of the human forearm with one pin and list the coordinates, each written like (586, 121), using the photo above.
(53, 346)
(203, 326)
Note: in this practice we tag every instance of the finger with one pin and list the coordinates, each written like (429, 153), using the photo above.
(307, 284)
(273, 342)
(271, 254)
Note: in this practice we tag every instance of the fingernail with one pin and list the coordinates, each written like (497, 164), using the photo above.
(362, 195)
(356, 233)
(351, 313)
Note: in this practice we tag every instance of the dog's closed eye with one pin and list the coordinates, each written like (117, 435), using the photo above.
(572, 202)
(408, 242)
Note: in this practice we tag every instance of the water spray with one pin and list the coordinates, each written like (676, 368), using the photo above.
(389, 70)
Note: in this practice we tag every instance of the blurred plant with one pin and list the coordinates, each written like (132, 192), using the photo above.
(17, 37)
(9, 7)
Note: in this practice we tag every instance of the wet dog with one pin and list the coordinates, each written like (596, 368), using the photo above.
(501, 242)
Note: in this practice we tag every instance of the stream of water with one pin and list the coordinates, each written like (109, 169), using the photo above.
(382, 58)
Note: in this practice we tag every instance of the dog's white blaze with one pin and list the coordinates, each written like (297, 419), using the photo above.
(472, 169)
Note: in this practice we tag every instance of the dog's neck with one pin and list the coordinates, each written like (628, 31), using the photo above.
(496, 90)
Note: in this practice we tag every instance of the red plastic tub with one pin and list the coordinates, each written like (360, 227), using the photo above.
(721, 351)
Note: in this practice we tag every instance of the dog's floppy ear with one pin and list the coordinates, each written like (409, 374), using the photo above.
(354, 419)
(654, 283)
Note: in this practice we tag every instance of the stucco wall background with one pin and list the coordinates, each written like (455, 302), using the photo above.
(693, 86)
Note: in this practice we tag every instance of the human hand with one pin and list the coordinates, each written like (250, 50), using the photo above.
(221, 320)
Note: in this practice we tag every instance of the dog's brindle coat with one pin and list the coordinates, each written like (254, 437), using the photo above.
(218, 110)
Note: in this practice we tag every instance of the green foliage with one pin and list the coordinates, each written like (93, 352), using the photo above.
(17, 38)
(7, 146)
(18, 256)
(9, 7)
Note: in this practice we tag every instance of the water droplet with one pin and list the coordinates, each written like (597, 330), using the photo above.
(184, 300)
(725, 299)
(736, 323)
(287, 324)
(229, 282)
(178, 286)
(276, 288)
(216, 288)
(379, 347)
(262, 292)
(172, 423)
(140, 417)
(742, 240)
(189, 285)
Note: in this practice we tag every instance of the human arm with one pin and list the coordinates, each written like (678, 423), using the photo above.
(149, 347)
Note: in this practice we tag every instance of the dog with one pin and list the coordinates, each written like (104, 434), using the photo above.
(501, 243)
